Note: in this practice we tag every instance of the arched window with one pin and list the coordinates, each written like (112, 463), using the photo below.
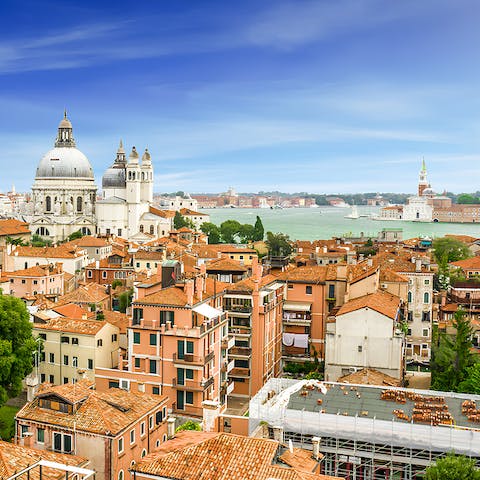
(42, 232)
(141, 228)
(426, 297)
(144, 452)
(86, 231)
(79, 204)
(409, 297)
(48, 204)
(151, 229)
(143, 176)
(129, 175)
(120, 475)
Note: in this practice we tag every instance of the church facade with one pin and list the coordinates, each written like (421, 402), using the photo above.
(64, 192)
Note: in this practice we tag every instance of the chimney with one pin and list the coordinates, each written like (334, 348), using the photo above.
(32, 386)
(418, 264)
(199, 281)
(278, 434)
(369, 261)
(97, 264)
(59, 266)
(325, 249)
(203, 269)
(171, 427)
(189, 288)
(316, 447)
(27, 439)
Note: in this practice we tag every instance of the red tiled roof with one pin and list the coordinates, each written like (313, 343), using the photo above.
(468, 264)
(62, 251)
(382, 302)
(13, 227)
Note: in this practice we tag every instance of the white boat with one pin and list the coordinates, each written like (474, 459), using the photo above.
(353, 214)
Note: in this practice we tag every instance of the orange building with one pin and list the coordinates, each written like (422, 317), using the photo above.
(39, 279)
(254, 307)
(114, 429)
(177, 345)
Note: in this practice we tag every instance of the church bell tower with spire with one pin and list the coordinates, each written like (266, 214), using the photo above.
(422, 179)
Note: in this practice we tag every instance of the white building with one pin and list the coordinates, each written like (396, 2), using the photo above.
(365, 334)
(64, 191)
(126, 207)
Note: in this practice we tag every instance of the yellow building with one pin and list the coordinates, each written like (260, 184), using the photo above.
(70, 345)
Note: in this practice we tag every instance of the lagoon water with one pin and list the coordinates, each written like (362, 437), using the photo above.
(326, 222)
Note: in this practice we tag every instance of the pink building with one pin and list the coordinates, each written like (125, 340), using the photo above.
(39, 279)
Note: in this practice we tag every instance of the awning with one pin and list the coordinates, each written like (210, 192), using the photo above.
(297, 306)
(207, 311)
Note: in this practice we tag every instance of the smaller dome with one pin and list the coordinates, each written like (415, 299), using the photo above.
(428, 191)
(133, 157)
(146, 156)
(114, 178)
(65, 123)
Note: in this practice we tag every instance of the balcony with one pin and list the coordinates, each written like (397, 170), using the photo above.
(192, 384)
(228, 366)
(228, 343)
(240, 372)
(188, 410)
(240, 352)
(190, 359)
(462, 299)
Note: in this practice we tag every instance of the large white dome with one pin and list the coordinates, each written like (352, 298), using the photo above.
(64, 162)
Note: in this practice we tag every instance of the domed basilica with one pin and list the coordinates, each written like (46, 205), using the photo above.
(64, 192)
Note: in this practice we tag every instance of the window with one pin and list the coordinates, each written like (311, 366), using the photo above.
(409, 297)
(426, 297)
(142, 429)
(65, 380)
(51, 378)
(148, 264)
(104, 274)
(189, 373)
(137, 362)
(141, 228)
(290, 286)
(51, 358)
(24, 430)
(409, 331)
(144, 452)
(90, 364)
(156, 390)
(308, 289)
(65, 339)
(48, 204)
(120, 445)
(427, 282)
(425, 316)
(132, 437)
(43, 378)
(79, 204)
(89, 274)
(62, 442)
(153, 366)
(331, 291)
(167, 316)
(65, 359)
(136, 337)
(120, 474)
(43, 336)
(113, 384)
(159, 417)
(40, 435)
(138, 264)
(114, 337)
(74, 361)
(99, 342)
(150, 422)
(23, 281)
(137, 315)
(189, 347)
(425, 332)
(360, 348)
(153, 339)
(189, 398)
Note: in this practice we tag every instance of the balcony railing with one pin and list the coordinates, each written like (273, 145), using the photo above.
(228, 366)
(464, 300)
(188, 410)
(189, 359)
(240, 352)
(240, 372)
(192, 384)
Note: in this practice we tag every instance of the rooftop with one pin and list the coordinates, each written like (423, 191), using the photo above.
(13, 227)
(71, 325)
(382, 302)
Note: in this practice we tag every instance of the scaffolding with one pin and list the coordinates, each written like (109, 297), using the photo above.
(43, 468)
(363, 447)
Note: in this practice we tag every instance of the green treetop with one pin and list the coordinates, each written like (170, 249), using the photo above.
(453, 467)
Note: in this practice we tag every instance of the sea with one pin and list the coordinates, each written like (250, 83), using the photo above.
(328, 222)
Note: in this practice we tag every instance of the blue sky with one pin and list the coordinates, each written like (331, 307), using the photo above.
(318, 96)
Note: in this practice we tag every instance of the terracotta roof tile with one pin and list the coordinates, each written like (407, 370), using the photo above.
(35, 271)
(13, 227)
(62, 251)
(71, 310)
(103, 413)
(89, 293)
(14, 458)
(225, 265)
(71, 325)
(382, 302)
(219, 457)
(248, 284)
(88, 241)
(370, 376)
(310, 274)
(468, 264)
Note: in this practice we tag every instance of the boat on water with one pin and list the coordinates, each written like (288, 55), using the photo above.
(353, 214)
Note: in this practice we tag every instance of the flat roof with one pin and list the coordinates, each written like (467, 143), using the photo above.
(365, 401)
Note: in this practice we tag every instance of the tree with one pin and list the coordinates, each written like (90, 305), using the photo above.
(212, 231)
(259, 231)
(14, 241)
(471, 384)
(38, 241)
(229, 230)
(125, 300)
(447, 250)
(246, 233)
(179, 221)
(75, 235)
(116, 283)
(452, 357)
(467, 198)
(452, 467)
(278, 244)
(17, 346)
(189, 425)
